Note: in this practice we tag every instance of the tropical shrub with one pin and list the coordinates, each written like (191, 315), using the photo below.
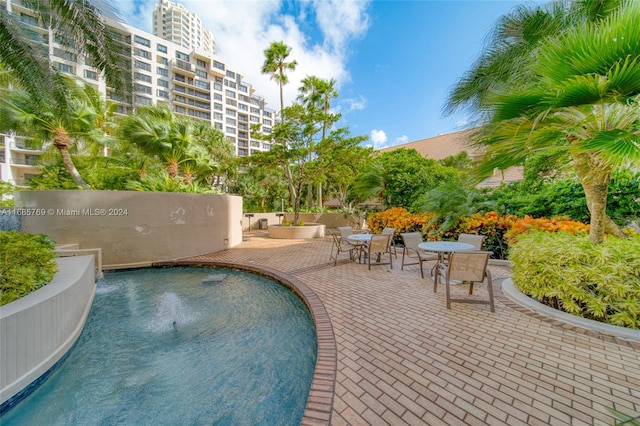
(555, 224)
(26, 264)
(492, 225)
(569, 273)
(400, 219)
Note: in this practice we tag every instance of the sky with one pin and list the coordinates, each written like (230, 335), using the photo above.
(394, 61)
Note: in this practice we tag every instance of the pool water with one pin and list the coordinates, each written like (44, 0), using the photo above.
(162, 347)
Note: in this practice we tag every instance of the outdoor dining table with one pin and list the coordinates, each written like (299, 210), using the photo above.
(443, 248)
(361, 241)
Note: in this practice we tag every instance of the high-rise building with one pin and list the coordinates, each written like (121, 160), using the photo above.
(174, 23)
(195, 83)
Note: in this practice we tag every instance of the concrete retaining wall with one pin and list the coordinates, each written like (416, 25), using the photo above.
(37, 330)
(134, 229)
(330, 220)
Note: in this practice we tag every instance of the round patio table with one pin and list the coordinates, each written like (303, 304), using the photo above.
(361, 241)
(443, 248)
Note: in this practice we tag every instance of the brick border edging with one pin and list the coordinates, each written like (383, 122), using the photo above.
(320, 401)
(556, 321)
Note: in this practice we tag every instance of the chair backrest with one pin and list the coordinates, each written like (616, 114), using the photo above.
(345, 231)
(473, 239)
(388, 231)
(411, 239)
(336, 239)
(468, 266)
(379, 244)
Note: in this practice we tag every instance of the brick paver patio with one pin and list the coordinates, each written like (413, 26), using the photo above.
(403, 358)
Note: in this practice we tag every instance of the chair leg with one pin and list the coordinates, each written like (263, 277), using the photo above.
(490, 290)
(470, 287)
(448, 292)
(421, 270)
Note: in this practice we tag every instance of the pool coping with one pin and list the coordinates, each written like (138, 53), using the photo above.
(319, 404)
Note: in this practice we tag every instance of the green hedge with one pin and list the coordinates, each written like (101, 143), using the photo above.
(26, 264)
(568, 272)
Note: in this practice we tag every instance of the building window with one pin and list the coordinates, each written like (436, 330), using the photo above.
(202, 84)
(230, 83)
(142, 41)
(163, 94)
(142, 77)
(162, 60)
(182, 56)
(142, 88)
(230, 112)
(230, 93)
(243, 88)
(66, 68)
(143, 100)
(267, 122)
(163, 71)
(162, 48)
(218, 65)
(217, 86)
(267, 114)
(91, 75)
(201, 73)
(201, 64)
(231, 74)
(255, 110)
(243, 107)
(217, 97)
(143, 65)
(254, 119)
(217, 106)
(163, 83)
(143, 53)
(217, 116)
(230, 121)
(231, 130)
(231, 102)
(218, 125)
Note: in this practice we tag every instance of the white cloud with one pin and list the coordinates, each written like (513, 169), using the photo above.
(353, 104)
(244, 29)
(379, 138)
(402, 139)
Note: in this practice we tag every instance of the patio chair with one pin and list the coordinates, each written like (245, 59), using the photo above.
(392, 244)
(473, 239)
(341, 246)
(411, 251)
(469, 267)
(379, 245)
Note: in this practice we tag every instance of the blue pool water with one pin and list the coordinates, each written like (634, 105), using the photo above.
(241, 352)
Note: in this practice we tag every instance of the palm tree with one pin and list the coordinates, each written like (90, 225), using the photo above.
(577, 89)
(276, 65)
(182, 145)
(62, 123)
(76, 23)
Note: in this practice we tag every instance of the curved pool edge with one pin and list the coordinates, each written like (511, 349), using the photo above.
(319, 404)
(512, 292)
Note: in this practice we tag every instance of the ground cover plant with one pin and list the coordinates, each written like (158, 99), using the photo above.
(26, 264)
(570, 273)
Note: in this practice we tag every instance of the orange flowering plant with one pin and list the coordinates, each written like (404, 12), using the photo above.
(400, 219)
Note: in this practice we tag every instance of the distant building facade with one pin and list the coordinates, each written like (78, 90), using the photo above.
(443, 146)
(174, 23)
(194, 82)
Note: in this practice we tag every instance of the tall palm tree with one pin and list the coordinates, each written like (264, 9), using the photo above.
(62, 123)
(76, 23)
(577, 89)
(275, 63)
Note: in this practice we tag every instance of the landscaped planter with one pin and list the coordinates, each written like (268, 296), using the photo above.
(306, 231)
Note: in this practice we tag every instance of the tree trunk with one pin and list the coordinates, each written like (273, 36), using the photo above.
(594, 178)
(62, 141)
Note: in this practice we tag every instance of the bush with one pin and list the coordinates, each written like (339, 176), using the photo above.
(569, 273)
(491, 225)
(400, 219)
(26, 264)
(555, 224)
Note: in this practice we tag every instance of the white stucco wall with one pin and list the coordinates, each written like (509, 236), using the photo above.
(38, 329)
(135, 228)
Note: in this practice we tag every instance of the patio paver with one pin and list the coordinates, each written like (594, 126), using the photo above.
(403, 358)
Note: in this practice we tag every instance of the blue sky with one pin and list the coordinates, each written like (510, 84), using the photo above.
(394, 61)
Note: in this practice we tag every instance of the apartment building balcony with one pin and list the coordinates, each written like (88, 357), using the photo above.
(186, 67)
(26, 147)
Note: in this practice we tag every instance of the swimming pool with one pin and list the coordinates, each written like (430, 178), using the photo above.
(162, 347)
